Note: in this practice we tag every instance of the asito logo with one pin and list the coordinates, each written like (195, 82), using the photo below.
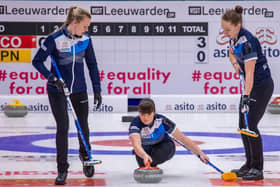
(265, 35)
(103, 108)
(267, 38)
(222, 39)
(180, 107)
(185, 106)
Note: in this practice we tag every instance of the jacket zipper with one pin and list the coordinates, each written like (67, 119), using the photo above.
(73, 65)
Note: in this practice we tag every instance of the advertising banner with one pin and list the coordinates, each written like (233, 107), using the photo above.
(142, 47)
(40, 103)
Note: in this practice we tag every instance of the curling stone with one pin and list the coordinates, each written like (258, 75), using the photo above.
(274, 106)
(148, 174)
(15, 109)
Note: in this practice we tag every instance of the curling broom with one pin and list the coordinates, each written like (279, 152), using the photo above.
(89, 162)
(226, 176)
(246, 131)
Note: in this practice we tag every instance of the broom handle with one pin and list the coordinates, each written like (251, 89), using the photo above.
(77, 123)
(242, 93)
(246, 120)
(213, 166)
(207, 162)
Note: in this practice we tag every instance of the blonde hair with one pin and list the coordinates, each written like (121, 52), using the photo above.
(76, 13)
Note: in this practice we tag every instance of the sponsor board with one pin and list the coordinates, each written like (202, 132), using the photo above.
(253, 10)
(196, 103)
(40, 104)
(184, 47)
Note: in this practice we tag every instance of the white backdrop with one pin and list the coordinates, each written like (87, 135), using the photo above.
(171, 58)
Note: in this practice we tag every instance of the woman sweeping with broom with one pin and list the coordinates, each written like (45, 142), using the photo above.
(248, 60)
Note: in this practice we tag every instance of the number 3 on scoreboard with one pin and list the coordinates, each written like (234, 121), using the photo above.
(201, 54)
(201, 42)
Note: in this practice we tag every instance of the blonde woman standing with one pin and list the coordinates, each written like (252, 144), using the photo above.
(70, 47)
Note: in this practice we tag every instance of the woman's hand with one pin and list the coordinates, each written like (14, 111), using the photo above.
(237, 68)
(147, 159)
(234, 63)
(203, 157)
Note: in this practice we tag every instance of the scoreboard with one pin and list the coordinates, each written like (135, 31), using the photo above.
(197, 31)
(111, 29)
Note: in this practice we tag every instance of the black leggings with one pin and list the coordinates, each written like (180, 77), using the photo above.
(253, 146)
(58, 104)
(159, 152)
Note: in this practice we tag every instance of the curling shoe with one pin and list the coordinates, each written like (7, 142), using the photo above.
(253, 174)
(241, 172)
(61, 178)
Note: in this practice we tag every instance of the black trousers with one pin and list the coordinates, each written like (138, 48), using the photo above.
(253, 146)
(159, 153)
(58, 104)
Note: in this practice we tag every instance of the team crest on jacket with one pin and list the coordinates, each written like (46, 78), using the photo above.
(64, 46)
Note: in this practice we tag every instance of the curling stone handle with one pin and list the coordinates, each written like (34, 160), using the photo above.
(148, 164)
(17, 102)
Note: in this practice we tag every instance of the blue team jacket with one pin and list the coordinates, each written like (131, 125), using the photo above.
(153, 133)
(70, 53)
(246, 48)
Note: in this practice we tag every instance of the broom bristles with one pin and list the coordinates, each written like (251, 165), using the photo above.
(248, 132)
(91, 162)
(229, 176)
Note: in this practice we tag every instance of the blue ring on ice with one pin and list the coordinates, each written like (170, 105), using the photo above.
(23, 143)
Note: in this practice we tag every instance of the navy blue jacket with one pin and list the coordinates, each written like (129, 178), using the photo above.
(246, 48)
(69, 53)
(154, 133)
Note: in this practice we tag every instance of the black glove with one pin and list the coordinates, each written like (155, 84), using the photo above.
(59, 84)
(97, 100)
(245, 101)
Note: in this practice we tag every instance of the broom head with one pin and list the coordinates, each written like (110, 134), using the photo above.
(91, 162)
(248, 132)
(229, 176)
